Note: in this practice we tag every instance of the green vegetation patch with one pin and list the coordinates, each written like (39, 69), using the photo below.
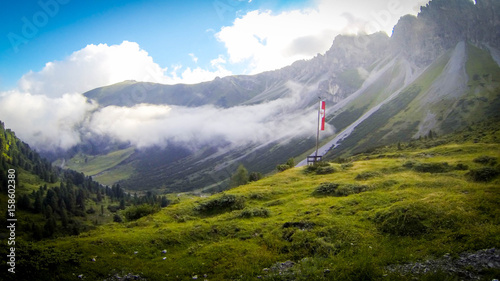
(137, 212)
(483, 174)
(254, 212)
(411, 219)
(220, 204)
(338, 190)
(486, 160)
(320, 168)
(367, 175)
(429, 167)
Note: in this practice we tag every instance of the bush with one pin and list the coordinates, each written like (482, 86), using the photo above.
(325, 170)
(403, 220)
(288, 165)
(350, 189)
(326, 189)
(346, 166)
(486, 160)
(366, 175)
(117, 218)
(428, 167)
(335, 189)
(282, 167)
(137, 212)
(409, 164)
(254, 212)
(483, 174)
(254, 176)
(113, 208)
(320, 168)
(226, 202)
(461, 167)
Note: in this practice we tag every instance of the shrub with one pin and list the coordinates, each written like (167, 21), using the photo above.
(461, 167)
(366, 175)
(254, 176)
(335, 189)
(137, 212)
(254, 212)
(320, 168)
(282, 167)
(432, 167)
(486, 160)
(288, 165)
(349, 189)
(326, 189)
(113, 208)
(409, 164)
(428, 167)
(224, 203)
(325, 170)
(483, 174)
(117, 218)
(346, 166)
(403, 220)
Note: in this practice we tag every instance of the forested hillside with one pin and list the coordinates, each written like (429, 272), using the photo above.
(52, 202)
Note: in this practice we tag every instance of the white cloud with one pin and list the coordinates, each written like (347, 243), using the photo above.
(101, 65)
(45, 123)
(146, 125)
(266, 41)
(91, 67)
(193, 57)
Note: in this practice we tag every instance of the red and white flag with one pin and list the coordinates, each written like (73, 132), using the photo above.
(322, 115)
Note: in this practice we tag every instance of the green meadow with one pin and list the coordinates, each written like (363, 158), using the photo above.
(344, 220)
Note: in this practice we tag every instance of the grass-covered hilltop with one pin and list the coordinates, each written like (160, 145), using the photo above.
(428, 209)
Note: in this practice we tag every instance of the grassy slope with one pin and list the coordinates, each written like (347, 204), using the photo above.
(353, 236)
(106, 169)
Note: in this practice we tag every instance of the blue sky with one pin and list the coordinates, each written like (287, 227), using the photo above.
(168, 30)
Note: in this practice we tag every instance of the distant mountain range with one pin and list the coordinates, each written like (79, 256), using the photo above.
(438, 72)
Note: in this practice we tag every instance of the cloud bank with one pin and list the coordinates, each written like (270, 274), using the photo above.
(49, 124)
(146, 125)
(49, 111)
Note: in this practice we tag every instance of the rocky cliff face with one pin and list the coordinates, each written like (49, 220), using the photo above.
(441, 24)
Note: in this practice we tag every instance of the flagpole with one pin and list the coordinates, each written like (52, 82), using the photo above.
(317, 132)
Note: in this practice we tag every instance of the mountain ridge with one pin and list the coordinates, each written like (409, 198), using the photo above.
(356, 76)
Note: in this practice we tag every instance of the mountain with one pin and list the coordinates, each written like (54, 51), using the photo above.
(437, 73)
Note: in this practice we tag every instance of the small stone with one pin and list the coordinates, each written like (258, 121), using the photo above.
(136, 252)
(164, 251)
(195, 277)
(164, 258)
